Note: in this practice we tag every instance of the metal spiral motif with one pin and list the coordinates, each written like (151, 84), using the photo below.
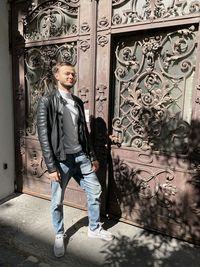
(134, 11)
(153, 84)
(39, 62)
(51, 19)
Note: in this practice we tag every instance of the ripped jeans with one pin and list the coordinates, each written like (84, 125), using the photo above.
(79, 167)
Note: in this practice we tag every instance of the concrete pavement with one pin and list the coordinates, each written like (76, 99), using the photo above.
(26, 239)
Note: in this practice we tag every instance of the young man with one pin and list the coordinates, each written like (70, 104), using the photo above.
(67, 152)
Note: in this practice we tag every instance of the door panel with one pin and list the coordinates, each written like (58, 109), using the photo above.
(47, 32)
(38, 64)
(154, 81)
(152, 165)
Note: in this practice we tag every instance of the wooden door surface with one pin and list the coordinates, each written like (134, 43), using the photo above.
(138, 75)
(44, 32)
(154, 122)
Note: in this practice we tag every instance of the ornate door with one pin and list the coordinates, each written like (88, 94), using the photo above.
(44, 32)
(138, 76)
(154, 175)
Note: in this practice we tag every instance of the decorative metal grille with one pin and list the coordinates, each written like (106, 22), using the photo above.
(153, 90)
(39, 79)
(51, 19)
(133, 11)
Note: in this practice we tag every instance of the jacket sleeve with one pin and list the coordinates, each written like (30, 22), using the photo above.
(44, 134)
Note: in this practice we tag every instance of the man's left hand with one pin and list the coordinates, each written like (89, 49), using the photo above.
(95, 165)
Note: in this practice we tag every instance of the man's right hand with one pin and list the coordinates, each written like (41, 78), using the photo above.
(54, 176)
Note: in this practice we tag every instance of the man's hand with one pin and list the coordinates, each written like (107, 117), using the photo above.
(54, 176)
(95, 165)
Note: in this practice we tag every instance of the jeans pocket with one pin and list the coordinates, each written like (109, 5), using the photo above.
(85, 164)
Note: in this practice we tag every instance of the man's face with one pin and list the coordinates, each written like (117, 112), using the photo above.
(66, 77)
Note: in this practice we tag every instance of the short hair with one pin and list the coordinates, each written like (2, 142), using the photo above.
(60, 64)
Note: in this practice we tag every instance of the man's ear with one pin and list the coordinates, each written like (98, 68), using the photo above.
(56, 76)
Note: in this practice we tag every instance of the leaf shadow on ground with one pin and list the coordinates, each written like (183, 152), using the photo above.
(150, 249)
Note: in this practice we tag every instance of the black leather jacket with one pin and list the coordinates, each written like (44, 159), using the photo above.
(50, 129)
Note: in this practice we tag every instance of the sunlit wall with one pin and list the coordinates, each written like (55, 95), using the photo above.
(6, 108)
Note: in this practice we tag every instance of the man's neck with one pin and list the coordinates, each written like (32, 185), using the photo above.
(65, 94)
(64, 89)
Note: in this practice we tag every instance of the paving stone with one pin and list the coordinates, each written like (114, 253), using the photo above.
(42, 264)
(32, 259)
(27, 237)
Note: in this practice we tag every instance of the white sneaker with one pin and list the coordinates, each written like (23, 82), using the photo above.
(100, 233)
(59, 246)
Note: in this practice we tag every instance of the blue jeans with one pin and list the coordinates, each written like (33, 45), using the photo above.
(79, 166)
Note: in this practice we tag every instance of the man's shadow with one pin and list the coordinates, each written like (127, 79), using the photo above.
(83, 222)
(74, 228)
(99, 134)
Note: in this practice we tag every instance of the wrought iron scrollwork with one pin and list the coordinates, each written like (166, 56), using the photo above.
(84, 45)
(119, 2)
(133, 11)
(102, 40)
(153, 76)
(144, 183)
(37, 164)
(101, 98)
(51, 19)
(103, 22)
(85, 27)
(84, 94)
(39, 62)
